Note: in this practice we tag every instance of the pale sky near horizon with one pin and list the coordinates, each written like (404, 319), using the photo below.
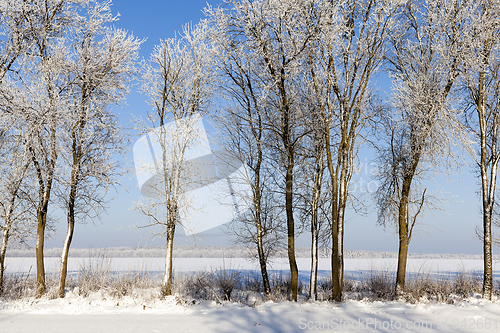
(451, 230)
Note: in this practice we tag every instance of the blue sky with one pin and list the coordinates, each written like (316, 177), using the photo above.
(447, 231)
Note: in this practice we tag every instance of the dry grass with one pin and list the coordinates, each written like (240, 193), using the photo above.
(227, 284)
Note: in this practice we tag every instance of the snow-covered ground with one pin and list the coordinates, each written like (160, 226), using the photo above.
(143, 312)
(95, 314)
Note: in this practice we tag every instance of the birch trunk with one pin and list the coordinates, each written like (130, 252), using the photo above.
(69, 234)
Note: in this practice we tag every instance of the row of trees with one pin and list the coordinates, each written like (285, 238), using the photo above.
(62, 69)
(291, 85)
(298, 80)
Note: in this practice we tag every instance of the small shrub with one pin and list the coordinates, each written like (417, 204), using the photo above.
(17, 287)
(226, 280)
(197, 286)
(466, 284)
(380, 284)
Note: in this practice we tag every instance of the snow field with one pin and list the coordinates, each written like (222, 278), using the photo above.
(144, 311)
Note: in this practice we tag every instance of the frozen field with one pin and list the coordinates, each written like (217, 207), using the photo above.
(139, 313)
(353, 267)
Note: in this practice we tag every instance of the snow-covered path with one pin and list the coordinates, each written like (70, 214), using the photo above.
(353, 316)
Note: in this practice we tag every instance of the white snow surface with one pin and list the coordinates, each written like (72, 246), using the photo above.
(142, 311)
(95, 314)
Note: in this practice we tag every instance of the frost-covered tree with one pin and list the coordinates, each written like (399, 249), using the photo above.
(424, 64)
(243, 121)
(101, 63)
(276, 33)
(178, 84)
(480, 82)
(45, 87)
(342, 63)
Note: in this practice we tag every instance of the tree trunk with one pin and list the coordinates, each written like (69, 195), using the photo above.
(487, 257)
(3, 250)
(337, 251)
(40, 239)
(67, 243)
(166, 289)
(258, 216)
(403, 229)
(488, 186)
(318, 180)
(314, 261)
(294, 272)
(402, 252)
(337, 258)
(262, 259)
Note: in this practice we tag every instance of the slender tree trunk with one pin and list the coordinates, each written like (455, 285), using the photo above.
(40, 240)
(403, 248)
(262, 263)
(340, 195)
(64, 256)
(3, 250)
(487, 257)
(67, 241)
(262, 258)
(314, 261)
(166, 289)
(403, 228)
(294, 272)
(488, 185)
(337, 255)
(318, 180)
(258, 218)
(488, 193)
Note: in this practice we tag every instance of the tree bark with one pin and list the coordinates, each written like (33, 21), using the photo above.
(3, 250)
(488, 185)
(166, 289)
(318, 180)
(487, 258)
(40, 240)
(260, 232)
(294, 272)
(69, 238)
(403, 248)
(257, 133)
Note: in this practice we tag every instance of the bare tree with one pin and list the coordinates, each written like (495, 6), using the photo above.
(278, 34)
(243, 121)
(425, 64)
(481, 86)
(101, 66)
(43, 81)
(178, 84)
(318, 153)
(348, 53)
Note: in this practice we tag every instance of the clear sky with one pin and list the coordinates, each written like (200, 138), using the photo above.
(450, 230)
